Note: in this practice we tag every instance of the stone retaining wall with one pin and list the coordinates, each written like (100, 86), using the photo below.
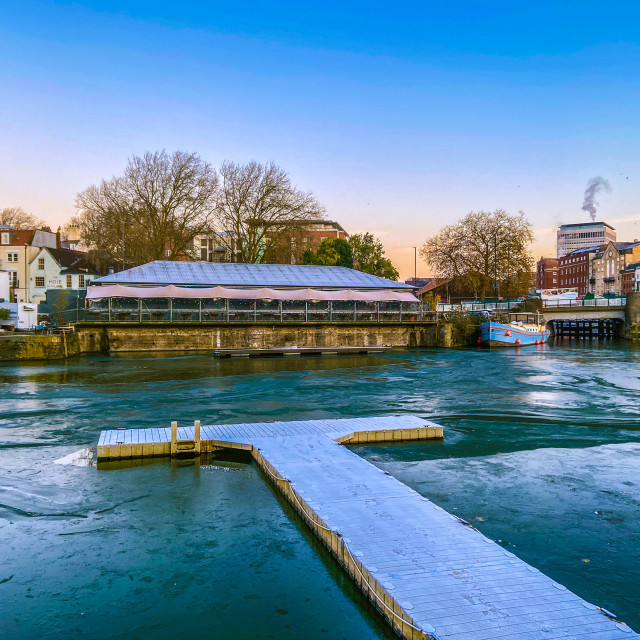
(120, 337)
(32, 347)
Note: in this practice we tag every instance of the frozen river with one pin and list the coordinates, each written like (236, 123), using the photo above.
(541, 452)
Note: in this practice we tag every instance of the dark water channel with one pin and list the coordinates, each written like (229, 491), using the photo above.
(541, 452)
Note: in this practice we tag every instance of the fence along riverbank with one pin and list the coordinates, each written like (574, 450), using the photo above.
(429, 573)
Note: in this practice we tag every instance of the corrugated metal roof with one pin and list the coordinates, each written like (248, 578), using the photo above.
(621, 246)
(248, 275)
(591, 249)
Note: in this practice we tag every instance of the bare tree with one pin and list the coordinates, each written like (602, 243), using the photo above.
(18, 218)
(258, 209)
(483, 250)
(159, 204)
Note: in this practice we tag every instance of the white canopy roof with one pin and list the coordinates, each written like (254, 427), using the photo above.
(171, 291)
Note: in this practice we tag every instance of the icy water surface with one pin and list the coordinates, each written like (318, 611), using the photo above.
(541, 452)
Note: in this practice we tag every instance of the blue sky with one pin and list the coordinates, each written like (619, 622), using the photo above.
(400, 116)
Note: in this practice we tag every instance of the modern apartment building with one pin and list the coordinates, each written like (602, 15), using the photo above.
(572, 237)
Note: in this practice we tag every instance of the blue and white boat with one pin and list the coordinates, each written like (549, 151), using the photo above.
(518, 333)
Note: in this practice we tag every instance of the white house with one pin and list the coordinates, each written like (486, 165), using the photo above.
(58, 269)
(5, 286)
(18, 247)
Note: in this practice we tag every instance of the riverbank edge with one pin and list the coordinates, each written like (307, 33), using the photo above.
(105, 337)
(39, 347)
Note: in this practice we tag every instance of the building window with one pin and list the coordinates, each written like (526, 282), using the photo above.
(41, 264)
(39, 281)
(13, 279)
(69, 281)
(6, 239)
(80, 281)
(12, 257)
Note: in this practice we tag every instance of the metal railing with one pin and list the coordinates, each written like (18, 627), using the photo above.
(478, 306)
(619, 301)
(245, 311)
(594, 302)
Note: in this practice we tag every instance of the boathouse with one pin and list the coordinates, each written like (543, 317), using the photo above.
(206, 291)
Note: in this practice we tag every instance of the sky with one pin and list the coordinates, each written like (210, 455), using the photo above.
(400, 117)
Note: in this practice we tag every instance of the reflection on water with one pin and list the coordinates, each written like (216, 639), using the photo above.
(540, 452)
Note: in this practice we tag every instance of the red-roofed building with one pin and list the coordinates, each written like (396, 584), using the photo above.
(18, 247)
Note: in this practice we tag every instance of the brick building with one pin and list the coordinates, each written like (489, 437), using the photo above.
(302, 235)
(575, 270)
(547, 273)
(306, 234)
(631, 278)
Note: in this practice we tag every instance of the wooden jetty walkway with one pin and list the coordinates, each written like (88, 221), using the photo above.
(429, 573)
(297, 351)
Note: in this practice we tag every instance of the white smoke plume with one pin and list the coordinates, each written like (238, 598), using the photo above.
(593, 186)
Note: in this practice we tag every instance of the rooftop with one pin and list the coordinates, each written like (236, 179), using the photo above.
(22, 237)
(586, 224)
(71, 261)
(621, 246)
(333, 223)
(592, 249)
(207, 274)
(434, 284)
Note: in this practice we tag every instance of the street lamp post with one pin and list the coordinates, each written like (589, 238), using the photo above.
(495, 266)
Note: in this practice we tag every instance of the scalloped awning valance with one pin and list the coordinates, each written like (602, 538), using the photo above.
(171, 291)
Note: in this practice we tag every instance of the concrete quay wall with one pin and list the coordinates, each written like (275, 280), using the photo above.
(38, 347)
(120, 337)
(632, 316)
